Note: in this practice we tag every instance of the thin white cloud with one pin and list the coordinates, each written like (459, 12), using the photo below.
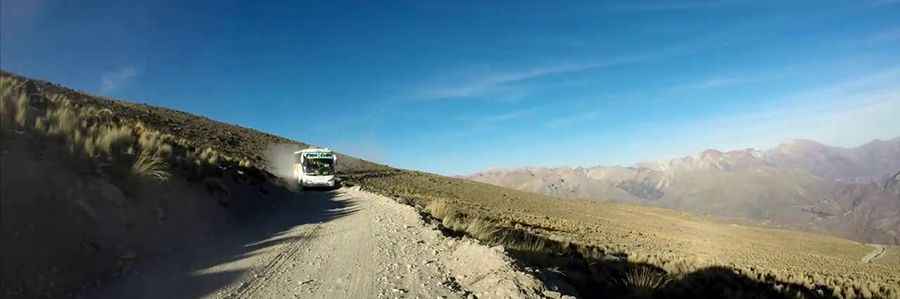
(501, 84)
(110, 81)
(724, 81)
(493, 83)
(569, 120)
(511, 115)
(718, 82)
(472, 125)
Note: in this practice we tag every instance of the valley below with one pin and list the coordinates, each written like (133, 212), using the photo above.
(852, 193)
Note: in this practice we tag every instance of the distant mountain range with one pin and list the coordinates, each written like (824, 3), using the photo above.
(801, 184)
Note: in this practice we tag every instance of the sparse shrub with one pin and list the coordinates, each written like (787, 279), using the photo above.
(90, 131)
(245, 163)
(89, 146)
(679, 267)
(150, 165)
(485, 229)
(114, 140)
(519, 240)
(64, 121)
(481, 229)
(22, 110)
(438, 209)
(164, 151)
(40, 124)
(644, 280)
(210, 156)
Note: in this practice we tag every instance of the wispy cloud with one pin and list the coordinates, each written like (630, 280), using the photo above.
(504, 84)
(474, 124)
(110, 81)
(718, 82)
(508, 116)
(500, 84)
(493, 83)
(724, 81)
(573, 119)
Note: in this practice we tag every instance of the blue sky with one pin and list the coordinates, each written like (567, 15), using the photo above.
(456, 87)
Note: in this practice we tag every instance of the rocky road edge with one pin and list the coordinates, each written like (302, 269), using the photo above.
(480, 271)
(877, 252)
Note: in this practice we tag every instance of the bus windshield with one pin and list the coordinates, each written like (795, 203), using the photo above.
(318, 166)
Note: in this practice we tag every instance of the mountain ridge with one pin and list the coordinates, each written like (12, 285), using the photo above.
(799, 184)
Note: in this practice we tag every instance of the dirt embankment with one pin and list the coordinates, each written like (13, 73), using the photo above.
(67, 227)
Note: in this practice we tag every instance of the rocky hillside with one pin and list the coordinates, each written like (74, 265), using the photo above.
(192, 130)
(848, 192)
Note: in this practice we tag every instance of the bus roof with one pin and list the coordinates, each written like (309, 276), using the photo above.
(313, 150)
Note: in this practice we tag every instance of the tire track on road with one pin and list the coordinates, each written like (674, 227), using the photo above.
(276, 265)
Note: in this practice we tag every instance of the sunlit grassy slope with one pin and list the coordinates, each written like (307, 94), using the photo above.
(661, 237)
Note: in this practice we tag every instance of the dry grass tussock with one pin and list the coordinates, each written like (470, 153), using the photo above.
(645, 279)
(113, 144)
(485, 229)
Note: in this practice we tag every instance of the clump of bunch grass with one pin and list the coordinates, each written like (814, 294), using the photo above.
(11, 97)
(644, 280)
(88, 131)
(150, 165)
(486, 230)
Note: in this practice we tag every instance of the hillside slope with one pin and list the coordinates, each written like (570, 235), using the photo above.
(799, 184)
(91, 186)
(165, 192)
(600, 234)
(191, 130)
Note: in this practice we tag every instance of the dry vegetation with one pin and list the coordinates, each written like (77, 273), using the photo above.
(92, 181)
(645, 252)
(111, 145)
(243, 145)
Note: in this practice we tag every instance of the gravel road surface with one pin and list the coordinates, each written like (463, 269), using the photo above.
(339, 244)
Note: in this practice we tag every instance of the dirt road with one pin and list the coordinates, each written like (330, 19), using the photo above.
(341, 244)
(876, 253)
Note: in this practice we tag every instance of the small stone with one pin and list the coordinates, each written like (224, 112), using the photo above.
(398, 290)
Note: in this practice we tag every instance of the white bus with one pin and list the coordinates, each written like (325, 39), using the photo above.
(315, 167)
